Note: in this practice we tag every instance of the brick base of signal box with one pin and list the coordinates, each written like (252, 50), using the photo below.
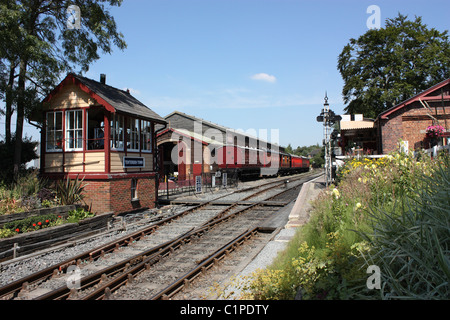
(115, 195)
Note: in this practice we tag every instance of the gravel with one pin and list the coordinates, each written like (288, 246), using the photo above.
(23, 266)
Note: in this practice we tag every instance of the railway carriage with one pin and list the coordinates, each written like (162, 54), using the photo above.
(250, 162)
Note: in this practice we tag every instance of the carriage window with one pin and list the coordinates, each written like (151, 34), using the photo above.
(54, 131)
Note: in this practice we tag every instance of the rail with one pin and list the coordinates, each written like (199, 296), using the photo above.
(142, 259)
(205, 265)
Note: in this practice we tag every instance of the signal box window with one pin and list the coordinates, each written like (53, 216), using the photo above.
(54, 131)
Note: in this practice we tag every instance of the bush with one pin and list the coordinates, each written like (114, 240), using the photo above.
(70, 191)
(7, 157)
(31, 223)
(79, 214)
(22, 195)
(392, 212)
(412, 248)
(44, 221)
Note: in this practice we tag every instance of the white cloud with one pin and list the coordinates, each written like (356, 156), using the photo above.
(264, 77)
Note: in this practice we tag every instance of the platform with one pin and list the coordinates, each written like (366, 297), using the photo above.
(300, 212)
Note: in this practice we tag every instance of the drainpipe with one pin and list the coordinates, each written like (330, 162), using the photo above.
(156, 162)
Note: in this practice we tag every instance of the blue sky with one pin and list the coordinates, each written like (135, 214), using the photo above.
(245, 64)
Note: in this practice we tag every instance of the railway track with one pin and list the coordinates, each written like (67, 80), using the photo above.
(112, 265)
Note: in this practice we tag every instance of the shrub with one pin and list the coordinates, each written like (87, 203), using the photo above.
(31, 223)
(7, 157)
(26, 194)
(412, 248)
(70, 191)
(392, 212)
(79, 214)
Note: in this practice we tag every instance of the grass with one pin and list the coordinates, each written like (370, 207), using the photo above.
(392, 212)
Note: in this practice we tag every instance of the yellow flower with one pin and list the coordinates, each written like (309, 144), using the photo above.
(336, 193)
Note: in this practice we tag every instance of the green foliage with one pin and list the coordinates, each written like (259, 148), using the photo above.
(43, 221)
(412, 245)
(79, 214)
(7, 157)
(23, 195)
(386, 66)
(70, 191)
(31, 223)
(36, 47)
(392, 212)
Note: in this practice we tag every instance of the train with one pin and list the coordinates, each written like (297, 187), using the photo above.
(249, 162)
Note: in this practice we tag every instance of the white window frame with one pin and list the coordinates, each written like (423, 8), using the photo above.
(117, 131)
(75, 130)
(54, 141)
(133, 134)
(146, 136)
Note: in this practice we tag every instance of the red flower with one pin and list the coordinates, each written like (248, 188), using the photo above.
(17, 230)
(34, 224)
(47, 221)
(39, 223)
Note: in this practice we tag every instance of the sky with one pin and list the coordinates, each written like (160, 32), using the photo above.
(245, 64)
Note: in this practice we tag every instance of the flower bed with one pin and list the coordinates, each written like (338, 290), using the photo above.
(43, 236)
(33, 220)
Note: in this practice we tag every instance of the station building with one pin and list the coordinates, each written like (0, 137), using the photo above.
(410, 119)
(407, 121)
(105, 136)
(188, 145)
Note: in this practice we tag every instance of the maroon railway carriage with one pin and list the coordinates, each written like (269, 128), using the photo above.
(250, 162)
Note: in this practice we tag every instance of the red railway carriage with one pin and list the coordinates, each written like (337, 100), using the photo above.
(247, 162)
(296, 162)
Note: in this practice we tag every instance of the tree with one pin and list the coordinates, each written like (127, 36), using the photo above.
(7, 157)
(288, 149)
(386, 66)
(39, 47)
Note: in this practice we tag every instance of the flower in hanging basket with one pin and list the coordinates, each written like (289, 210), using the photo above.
(434, 131)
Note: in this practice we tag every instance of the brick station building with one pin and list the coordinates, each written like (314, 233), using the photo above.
(105, 136)
(409, 119)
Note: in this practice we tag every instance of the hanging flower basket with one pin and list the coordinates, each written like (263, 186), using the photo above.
(434, 131)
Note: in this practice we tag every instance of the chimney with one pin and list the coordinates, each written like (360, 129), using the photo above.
(103, 78)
